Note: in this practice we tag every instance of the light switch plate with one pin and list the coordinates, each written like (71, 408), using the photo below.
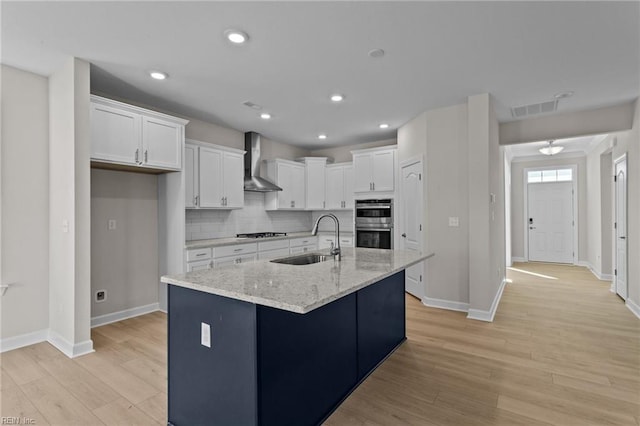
(205, 334)
(111, 224)
(454, 221)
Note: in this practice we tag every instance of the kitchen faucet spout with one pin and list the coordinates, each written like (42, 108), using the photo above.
(335, 251)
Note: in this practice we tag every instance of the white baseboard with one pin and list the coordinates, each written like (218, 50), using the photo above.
(15, 342)
(599, 275)
(612, 288)
(67, 348)
(480, 315)
(633, 307)
(122, 315)
(517, 259)
(445, 304)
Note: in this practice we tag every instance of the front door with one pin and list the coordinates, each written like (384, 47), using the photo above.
(550, 222)
(412, 215)
(621, 227)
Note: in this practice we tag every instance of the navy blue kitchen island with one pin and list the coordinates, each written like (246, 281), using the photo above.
(271, 366)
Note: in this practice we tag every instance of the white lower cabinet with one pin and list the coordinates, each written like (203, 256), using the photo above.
(268, 250)
(199, 265)
(235, 254)
(234, 260)
(198, 259)
(325, 240)
(273, 254)
(303, 245)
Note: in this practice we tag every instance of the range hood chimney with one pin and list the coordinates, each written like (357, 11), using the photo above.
(252, 180)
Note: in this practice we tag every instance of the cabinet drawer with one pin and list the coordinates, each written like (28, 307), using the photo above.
(237, 249)
(234, 260)
(298, 242)
(302, 249)
(273, 254)
(199, 265)
(346, 241)
(198, 254)
(273, 245)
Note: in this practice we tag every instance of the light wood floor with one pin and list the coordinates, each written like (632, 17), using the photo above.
(562, 350)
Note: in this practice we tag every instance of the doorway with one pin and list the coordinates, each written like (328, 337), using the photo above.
(550, 222)
(412, 215)
(620, 225)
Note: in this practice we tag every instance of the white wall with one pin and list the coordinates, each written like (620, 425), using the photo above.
(633, 168)
(124, 261)
(25, 203)
(517, 202)
(69, 218)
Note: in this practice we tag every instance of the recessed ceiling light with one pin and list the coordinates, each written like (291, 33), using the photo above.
(236, 36)
(265, 116)
(322, 136)
(563, 95)
(337, 97)
(158, 75)
(384, 126)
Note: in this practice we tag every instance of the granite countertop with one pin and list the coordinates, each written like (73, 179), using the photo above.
(299, 288)
(216, 242)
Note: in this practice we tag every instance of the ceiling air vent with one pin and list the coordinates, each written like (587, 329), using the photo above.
(252, 105)
(534, 109)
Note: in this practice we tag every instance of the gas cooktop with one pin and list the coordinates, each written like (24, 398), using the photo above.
(262, 235)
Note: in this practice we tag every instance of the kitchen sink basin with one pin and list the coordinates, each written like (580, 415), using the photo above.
(304, 259)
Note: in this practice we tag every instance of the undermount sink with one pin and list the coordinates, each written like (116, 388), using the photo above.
(304, 259)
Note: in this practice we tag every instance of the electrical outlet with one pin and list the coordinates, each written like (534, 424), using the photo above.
(205, 334)
(111, 224)
(454, 222)
(101, 295)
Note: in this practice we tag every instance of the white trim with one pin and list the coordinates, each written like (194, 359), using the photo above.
(125, 314)
(599, 275)
(477, 314)
(22, 340)
(620, 159)
(67, 348)
(633, 307)
(576, 206)
(445, 304)
(517, 259)
(542, 157)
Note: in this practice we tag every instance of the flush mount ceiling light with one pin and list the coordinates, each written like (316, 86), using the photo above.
(337, 97)
(158, 75)
(265, 116)
(562, 95)
(376, 53)
(384, 126)
(551, 149)
(236, 36)
(322, 136)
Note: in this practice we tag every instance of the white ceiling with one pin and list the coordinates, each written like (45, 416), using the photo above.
(572, 147)
(437, 54)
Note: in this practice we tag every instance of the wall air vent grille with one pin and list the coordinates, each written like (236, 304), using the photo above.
(534, 109)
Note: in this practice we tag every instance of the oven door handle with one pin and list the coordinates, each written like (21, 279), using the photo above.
(374, 229)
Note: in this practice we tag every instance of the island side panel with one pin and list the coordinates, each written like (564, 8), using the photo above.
(217, 385)
(381, 321)
(307, 363)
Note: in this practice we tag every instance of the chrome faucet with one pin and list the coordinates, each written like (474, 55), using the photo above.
(335, 251)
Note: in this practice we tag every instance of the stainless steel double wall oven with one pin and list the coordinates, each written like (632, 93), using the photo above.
(374, 223)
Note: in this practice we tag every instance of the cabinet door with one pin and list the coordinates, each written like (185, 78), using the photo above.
(362, 169)
(198, 265)
(297, 187)
(284, 181)
(190, 176)
(334, 188)
(210, 177)
(234, 260)
(115, 135)
(161, 143)
(233, 178)
(348, 187)
(273, 254)
(315, 185)
(384, 170)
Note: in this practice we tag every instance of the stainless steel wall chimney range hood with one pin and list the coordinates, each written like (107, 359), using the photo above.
(252, 180)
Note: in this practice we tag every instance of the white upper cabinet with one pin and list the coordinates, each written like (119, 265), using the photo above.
(213, 176)
(374, 169)
(290, 176)
(314, 179)
(339, 186)
(127, 135)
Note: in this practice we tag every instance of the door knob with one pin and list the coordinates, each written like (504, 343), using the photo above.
(532, 227)
(404, 235)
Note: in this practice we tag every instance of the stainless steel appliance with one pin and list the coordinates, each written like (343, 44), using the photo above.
(374, 223)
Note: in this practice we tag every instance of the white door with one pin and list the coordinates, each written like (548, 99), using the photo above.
(161, 142)
(550, 222)
(362, 170)
(348, 187)
(115, 135)
(334, 188)
(383, 170)
(210, 177)
(621, 227)
(411, 191)
(297, 187)
(233, 170)
(190, 176)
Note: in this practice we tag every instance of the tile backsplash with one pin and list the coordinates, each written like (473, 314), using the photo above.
(205, 224)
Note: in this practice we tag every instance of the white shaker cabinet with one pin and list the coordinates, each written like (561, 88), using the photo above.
(314, 180)
(374, 169)
(127, 135)
(339, 187)
(290, 176)
(213, 176)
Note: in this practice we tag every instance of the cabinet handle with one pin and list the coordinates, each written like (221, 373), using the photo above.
(225, 201)
(237, 250)
(136, 159)
(211, 264)
(374, 185)
(239, 260)
(146, 155)
(201, 254)
(196, 199)
(323, 204)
